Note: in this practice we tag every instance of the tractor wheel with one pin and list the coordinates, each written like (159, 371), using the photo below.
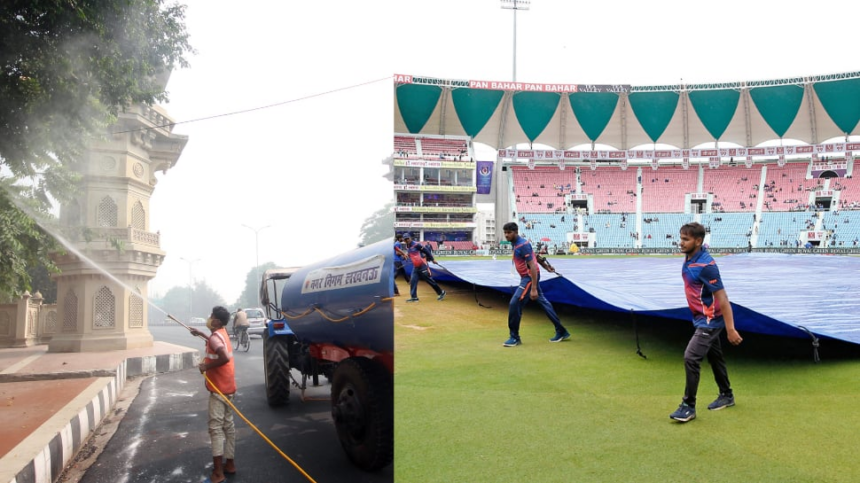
(363, 409)
(277, 361)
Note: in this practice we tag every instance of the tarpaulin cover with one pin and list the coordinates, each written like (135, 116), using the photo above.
(770, 293)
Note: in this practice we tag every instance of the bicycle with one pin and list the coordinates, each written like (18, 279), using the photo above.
(243, 341)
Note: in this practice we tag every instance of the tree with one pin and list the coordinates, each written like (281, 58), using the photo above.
(379, 226)
(249, 295)
(178, 301)
(205, 297)
(23, 244)
(67, 68)
(41, 281)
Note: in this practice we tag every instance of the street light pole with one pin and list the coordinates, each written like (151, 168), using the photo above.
(515, 5)
(190, 285)
(257, 249)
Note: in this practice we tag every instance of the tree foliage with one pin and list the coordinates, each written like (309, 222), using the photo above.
(40, 280)
(67, 68)
(378, 226)
(183, 303)
(23, 244)
(249, 295)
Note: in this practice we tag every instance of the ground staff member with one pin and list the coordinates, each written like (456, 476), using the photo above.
(527, 267)
(712, 313)
(218, 367)
(417, 253)
(398, 262)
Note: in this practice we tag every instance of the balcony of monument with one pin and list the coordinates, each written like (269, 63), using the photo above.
(114, 237)
(153, 117)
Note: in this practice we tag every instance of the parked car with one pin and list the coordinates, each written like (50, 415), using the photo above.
(197, 322)
(256, 321)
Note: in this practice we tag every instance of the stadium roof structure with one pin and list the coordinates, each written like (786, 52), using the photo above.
(746, 113)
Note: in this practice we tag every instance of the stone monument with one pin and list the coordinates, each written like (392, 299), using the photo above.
(110, 222)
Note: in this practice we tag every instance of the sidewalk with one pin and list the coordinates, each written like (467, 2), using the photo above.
(50, 403)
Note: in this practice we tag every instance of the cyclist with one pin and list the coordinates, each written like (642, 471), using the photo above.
(240, 323)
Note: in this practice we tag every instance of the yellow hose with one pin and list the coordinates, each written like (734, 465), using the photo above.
(330, 318)
(258, 431)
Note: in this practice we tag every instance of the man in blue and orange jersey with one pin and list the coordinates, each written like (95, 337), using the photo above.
(527, 266)
(712, 312)
(419, 256)
(220, 372)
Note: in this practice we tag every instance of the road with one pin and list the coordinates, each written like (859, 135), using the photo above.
(163, 435)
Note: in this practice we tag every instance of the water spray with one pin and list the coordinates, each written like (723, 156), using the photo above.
(71, 248)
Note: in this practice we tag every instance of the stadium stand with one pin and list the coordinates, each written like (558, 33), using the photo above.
(660, 230)
(451, 148)
(765, 205)
(734, 188)
(787, 187)
(783, 229)
(542, 190)
(613, 188)
(663, 191)
(849, 192)
(733, 230)
(547, 228)
(612, 229)
(761, 206)
(845, 226)
(405, 146)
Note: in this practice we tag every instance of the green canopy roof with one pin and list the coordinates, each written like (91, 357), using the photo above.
(810, 109)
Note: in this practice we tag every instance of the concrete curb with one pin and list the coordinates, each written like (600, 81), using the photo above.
(68, 430)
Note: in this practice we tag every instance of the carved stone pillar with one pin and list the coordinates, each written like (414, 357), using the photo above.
(108, 225)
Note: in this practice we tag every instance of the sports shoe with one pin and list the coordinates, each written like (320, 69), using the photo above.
(412, 300)
(442, 295)
(721, 402)
(512, 342)
(560, 337)
(684, 413)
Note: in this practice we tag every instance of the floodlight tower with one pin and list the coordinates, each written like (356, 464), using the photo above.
(515, 5)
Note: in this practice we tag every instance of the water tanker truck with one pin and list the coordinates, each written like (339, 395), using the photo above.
(336, 318)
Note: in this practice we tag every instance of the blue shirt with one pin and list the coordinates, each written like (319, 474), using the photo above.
(701, 280)
(523, 253)
(417, 253)
(397, 247)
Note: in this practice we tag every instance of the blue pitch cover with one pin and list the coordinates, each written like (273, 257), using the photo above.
(771, 293)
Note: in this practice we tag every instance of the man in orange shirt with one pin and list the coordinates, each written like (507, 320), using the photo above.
(219, 370)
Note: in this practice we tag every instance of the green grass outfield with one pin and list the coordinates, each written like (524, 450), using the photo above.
(590, 410)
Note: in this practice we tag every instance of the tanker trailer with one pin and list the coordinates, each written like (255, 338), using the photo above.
(336, 318)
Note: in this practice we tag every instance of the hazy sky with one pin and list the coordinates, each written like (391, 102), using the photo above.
(311, 169)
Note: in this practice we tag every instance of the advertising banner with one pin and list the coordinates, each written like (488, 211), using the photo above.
(646, 154)
(484, 176)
